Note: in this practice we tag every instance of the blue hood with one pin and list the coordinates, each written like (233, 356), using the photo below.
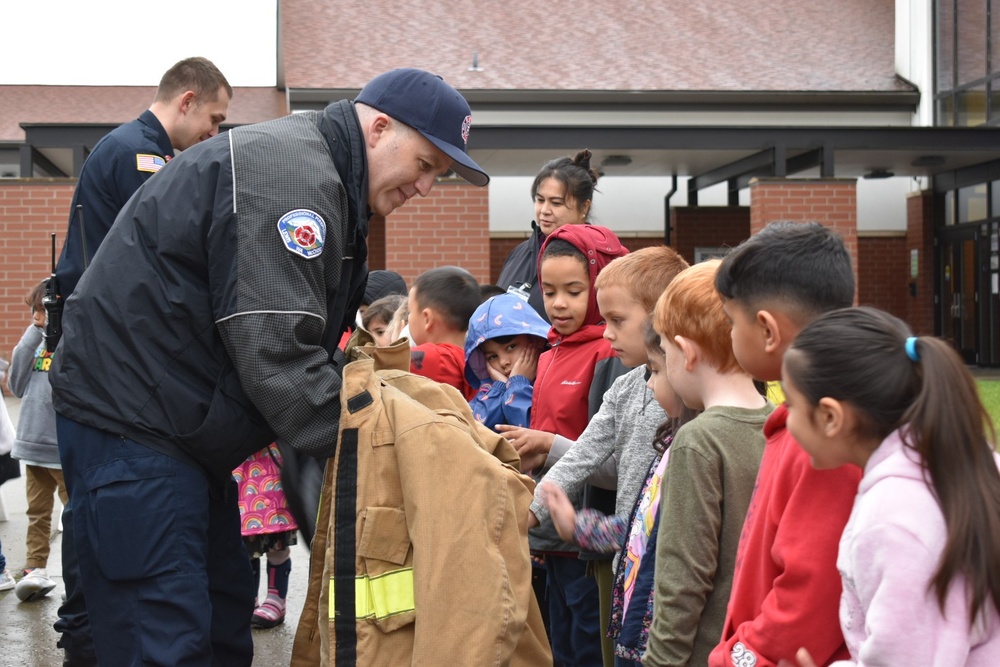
(501, 315)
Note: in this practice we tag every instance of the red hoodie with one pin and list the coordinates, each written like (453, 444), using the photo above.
(565, 372)
(562, 385)
(786, 590)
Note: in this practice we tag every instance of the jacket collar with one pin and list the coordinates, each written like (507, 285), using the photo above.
(149, 119)
(584, 334)
(339, 124)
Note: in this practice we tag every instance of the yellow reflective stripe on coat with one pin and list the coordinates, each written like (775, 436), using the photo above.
(381, 596)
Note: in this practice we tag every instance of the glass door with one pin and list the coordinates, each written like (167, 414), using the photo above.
(959, 291)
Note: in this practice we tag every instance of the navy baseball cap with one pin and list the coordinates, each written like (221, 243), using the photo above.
(430, 106)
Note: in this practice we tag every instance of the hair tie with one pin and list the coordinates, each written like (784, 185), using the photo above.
(911, 348)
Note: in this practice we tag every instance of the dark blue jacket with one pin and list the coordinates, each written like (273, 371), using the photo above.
(121, 161)
(521, 266)
(207, 323)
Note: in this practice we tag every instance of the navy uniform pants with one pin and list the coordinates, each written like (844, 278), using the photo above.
(162, 564)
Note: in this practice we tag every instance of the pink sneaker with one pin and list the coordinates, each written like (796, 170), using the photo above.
(269, 614)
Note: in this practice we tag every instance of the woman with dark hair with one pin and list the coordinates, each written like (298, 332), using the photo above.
(563, 192)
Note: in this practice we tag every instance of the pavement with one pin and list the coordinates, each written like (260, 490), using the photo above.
(26, 635)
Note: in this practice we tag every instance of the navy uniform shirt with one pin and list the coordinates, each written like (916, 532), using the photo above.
(120, 162)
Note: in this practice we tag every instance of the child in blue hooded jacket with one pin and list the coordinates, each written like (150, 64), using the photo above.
(505, 337)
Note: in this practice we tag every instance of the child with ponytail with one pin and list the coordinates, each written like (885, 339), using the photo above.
(920, 555)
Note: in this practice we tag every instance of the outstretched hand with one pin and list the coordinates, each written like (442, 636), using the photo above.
(561, 510)
(802, 659)
(531, 445)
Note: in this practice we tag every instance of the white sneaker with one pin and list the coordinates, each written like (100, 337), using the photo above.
(6, 580)
(35, 584)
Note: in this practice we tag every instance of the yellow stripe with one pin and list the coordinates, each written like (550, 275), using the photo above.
(382, 596)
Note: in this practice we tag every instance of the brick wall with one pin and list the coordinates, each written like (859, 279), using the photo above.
(376, 242)
(450, 226)
(708, 227)
(832, 202)
(30, 211)
(883, 270)
(500, 247)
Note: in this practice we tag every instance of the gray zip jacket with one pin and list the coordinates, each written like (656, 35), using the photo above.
(622, 429)
(35, 441)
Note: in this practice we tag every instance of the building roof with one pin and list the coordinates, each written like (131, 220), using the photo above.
(113, 105)
(625, 45)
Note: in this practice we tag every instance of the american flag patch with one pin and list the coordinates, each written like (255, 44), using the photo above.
(150, 163)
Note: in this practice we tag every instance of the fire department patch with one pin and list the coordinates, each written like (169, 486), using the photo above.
(466, 124)
(303, 232)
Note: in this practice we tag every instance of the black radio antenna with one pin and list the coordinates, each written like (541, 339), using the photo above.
(83, 239)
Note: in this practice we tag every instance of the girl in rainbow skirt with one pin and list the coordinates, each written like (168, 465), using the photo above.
(268, 528)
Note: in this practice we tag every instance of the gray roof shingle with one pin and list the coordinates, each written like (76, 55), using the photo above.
(645, 45)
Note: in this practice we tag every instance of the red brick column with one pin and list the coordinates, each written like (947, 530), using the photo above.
(30, 211)
(707, 226)
(832, 202)
(920, 238)
(883, 270)
(451, 226)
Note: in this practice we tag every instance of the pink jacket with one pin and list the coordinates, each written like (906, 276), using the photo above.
(888, 553)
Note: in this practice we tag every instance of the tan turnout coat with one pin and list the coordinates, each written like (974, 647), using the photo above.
(421, 552)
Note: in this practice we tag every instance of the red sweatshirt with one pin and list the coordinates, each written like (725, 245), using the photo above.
(442, 362)
(786, 590)
(565, 373)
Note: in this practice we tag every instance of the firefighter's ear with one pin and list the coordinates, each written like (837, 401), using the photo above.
(377, 129)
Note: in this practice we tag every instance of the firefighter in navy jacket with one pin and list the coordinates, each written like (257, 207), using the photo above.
(206, 327)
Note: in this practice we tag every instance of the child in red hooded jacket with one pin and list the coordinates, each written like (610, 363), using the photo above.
(568, 264)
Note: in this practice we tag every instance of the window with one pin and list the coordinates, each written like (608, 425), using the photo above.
(967, 57)
(972, 203)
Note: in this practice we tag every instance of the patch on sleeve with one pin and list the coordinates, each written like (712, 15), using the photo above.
(742, 656)
(149, 163)
(303, 232)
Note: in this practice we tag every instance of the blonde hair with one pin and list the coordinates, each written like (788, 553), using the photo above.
(644, 273)
(691, 307)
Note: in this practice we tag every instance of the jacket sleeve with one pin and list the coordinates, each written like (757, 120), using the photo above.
(486, 405)
(594, 446)
(22, 359)
(516, 401)
(687, 554)
(471, 571)
(806, 595)
(892, 567)
(598, 532)
(273, 310)
(560, 445)
(126, 179)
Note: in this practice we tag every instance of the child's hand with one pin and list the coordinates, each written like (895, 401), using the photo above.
(532, 520)
(532, 446)
(560, 509)
(526, 363)
(802, 659)
(496, 375)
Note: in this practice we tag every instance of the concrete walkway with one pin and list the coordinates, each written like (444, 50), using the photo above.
(26, 635)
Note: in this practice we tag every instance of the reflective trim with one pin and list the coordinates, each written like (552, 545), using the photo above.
(382, 596)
